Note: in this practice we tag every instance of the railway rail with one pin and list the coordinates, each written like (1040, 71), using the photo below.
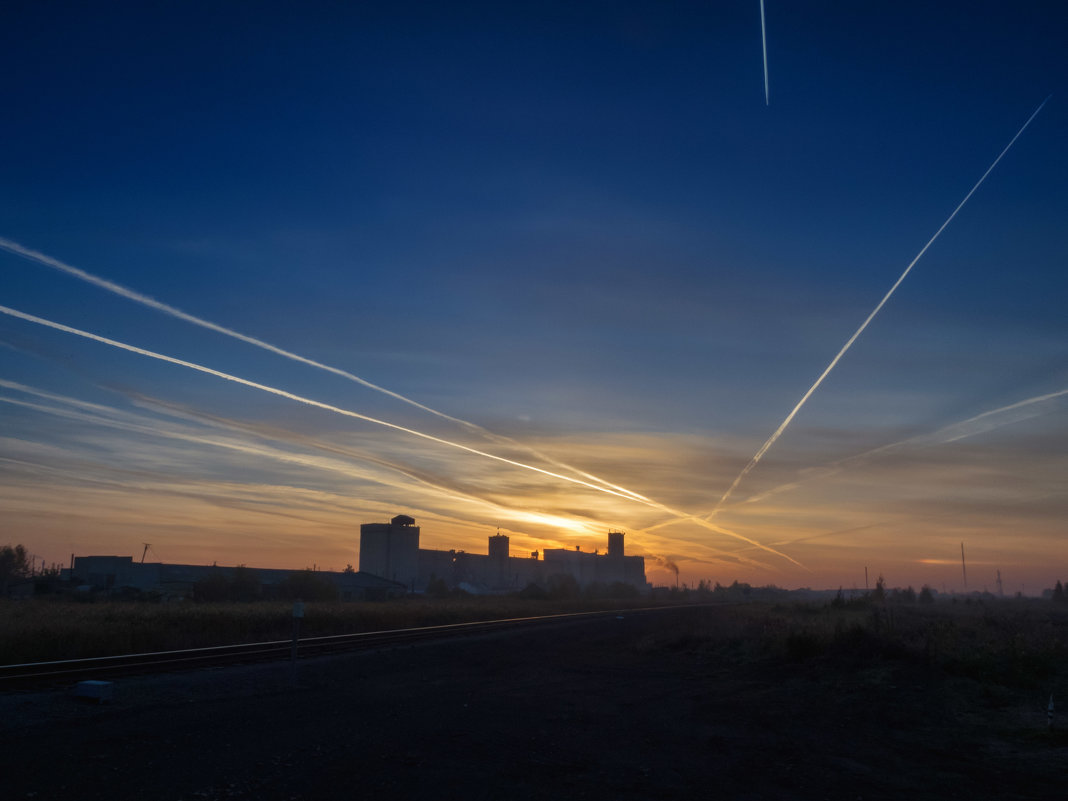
(37, 674)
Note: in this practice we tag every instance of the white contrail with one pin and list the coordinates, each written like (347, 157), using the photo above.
(764, 43)
(403, 429)
(145, 300)
(152, 303)
(849, 343)
(973, 426)
(267, 452)
(965, 429)
(299, 398)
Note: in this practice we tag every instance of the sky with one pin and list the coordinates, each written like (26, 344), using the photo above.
(272, 271)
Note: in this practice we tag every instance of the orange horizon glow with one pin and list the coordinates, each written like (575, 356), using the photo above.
(282, 524)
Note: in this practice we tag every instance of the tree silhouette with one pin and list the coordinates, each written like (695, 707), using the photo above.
(215, 586)
(244, 584)
(306, 585)
(879, 593)
(13, 566)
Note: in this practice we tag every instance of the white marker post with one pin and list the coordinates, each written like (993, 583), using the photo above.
(298, 615)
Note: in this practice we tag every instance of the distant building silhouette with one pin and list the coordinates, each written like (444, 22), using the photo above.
(120, 574)
(391, 564)
(391, 550)
(608, 568)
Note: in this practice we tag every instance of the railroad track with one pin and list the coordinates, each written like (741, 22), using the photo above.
(37, 674)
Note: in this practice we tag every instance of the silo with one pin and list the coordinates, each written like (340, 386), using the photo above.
(498, 546)
(391, 550)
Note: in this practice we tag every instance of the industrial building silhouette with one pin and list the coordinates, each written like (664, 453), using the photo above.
(391, 563)
(391, 550)
(116, 575)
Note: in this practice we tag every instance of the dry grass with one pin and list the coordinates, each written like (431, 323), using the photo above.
(1011, 643)
(47, 629)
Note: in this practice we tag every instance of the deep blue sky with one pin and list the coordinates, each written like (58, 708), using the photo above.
(577, 224)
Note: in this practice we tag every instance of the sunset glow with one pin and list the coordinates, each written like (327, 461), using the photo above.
(551, 273)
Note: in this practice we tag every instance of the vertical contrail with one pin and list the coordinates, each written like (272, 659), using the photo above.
(849, 343)
(764, 43)
(152, 303)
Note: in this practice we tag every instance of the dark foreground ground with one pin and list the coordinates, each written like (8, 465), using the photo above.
(643, 707)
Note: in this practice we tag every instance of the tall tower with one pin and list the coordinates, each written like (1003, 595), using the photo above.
(616, 565)
(391, 550)
(498, 546)
(498, 556)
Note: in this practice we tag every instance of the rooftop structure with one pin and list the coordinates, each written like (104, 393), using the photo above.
(392, 550)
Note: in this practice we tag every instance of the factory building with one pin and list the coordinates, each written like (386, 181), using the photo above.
(607, 568)
(119, 574)
(391, 550)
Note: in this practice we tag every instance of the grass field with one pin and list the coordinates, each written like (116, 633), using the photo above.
(764, 699)
(1009, 643)
(43, 629)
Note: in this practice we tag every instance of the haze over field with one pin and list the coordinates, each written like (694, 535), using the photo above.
(552, 268)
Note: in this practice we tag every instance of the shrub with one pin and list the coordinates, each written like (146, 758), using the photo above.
(563, 587)
(240, 584)
(533, 592)
(437, 588)
(213, 587)
(307, 585)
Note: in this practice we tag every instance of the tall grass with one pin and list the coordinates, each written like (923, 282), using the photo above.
(1020, 643)
(45, 629)
(1013, 642)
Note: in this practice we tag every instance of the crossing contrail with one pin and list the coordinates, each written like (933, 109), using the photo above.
(98, 414)
(849, 343)
(92, 413)
(764, 43)
(973, 426)
(393, 426)
(138, 297)
(299, 398)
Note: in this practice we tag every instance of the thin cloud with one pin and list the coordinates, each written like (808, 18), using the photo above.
(973, 426)
(392, 426)
(137, 297)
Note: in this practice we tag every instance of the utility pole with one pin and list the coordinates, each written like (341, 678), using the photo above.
(963, 567)
(144, 552)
